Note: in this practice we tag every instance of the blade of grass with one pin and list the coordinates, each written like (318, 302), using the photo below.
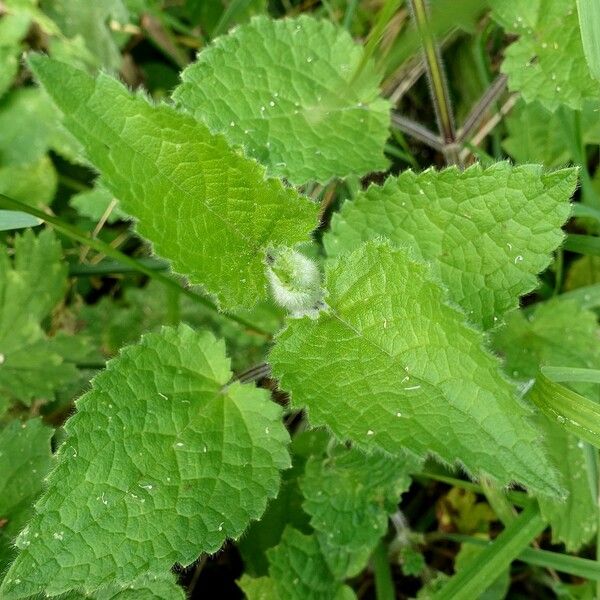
(376, 34)
(577, 414)
(349, 16)
(589, 27)
(585, 211)
(484, 568)
(14, 219)
(583, 244)
(104, 248)
(113, 267)
(229, 15)
(499, 502)
(561, 374)
(564, 563)
(516, 498)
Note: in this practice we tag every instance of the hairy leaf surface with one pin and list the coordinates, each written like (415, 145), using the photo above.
(162, 461)
(559, 334)
(297, 571)
(349, 496)
(291, 98)
(487, 232)
(390, 364)
(547, 62)
(203, 206)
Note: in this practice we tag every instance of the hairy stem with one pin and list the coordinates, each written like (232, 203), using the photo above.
(437, 80)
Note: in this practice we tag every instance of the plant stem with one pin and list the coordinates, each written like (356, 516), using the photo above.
(108, 250)
(417, 131)
(478, 112)
(384, 583)
(437, 80)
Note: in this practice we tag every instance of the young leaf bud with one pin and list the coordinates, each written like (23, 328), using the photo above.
(295, 282)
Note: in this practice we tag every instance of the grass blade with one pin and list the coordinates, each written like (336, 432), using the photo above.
(574, 412)
(572, 374)
(583, 244)
(564, 563)
(589, 26)
(482, 571)
(15, 219)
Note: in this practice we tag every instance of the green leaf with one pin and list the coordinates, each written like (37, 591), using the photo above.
(286, 509)
(30, 366)
(258, 588)
(116, 322)
(589, 19)
(25, 460)
(557, 334)
(536, 135)
(90, 22)
(179, 461)
(349, 496)
(547, 62)
(27, 121)
(298, 571)
(13, 29)
(390, 364)
(32, 183)
(203, 206)
(487, 232)
(291, 99)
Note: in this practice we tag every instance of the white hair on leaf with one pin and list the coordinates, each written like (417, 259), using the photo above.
(295, 282)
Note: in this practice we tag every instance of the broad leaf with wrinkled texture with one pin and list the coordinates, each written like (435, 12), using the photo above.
(487, 232)
(164, 459)
(297, 571)
(202, 205)
(536, 135)
(559, 334)
(546, 63)
(391, 364)
(291, 98)
(349, 495)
